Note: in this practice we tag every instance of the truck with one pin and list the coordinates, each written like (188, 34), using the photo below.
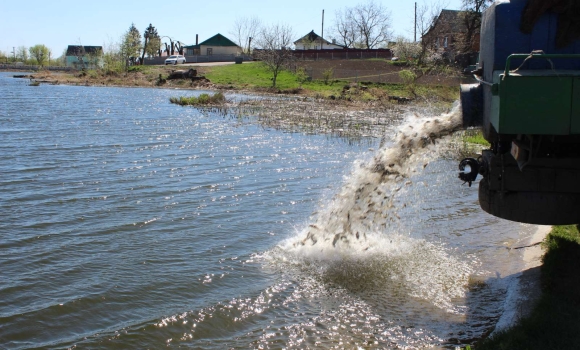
(526, 100)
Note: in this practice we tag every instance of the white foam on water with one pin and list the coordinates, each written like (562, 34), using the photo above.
(356, 239)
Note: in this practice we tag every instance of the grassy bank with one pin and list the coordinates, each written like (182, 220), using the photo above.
(555, 321)
(253, 77)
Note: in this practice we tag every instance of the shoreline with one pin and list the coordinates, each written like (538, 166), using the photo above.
(524, 288)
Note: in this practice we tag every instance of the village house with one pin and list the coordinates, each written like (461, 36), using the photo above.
(84, 57)
(313, 41)
(446, 34)
(216, 45)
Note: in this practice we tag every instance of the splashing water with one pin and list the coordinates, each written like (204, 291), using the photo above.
(356, 240)
(366, 202)
(355, 277)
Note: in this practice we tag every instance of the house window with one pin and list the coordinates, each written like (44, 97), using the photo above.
(445, 42)
(209, 51)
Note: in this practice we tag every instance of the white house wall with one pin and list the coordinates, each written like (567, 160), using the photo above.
(316, 46)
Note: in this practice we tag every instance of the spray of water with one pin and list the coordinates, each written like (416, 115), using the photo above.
(355, 276)
(356, 240)
(365, 204)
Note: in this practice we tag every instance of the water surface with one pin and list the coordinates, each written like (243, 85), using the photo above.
(129, 222)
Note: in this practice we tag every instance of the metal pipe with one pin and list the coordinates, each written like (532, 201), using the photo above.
(534, 55)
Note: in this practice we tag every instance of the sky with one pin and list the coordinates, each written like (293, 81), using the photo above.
(58, 24)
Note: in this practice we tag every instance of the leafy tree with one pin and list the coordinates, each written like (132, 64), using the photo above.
(40, 53)
(131, 43)
(154, 45)
(275, 53)
(150, 33)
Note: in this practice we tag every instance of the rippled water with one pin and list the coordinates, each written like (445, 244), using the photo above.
(128, 222)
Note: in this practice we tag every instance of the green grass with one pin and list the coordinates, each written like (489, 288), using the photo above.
(555, 321)
(252, 75)
(475, 136)
(202, 100)
(144, 69)
(255, 76)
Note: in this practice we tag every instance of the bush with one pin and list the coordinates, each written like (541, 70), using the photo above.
(301, 75)
(327, 75)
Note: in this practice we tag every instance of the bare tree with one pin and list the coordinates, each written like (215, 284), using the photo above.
(112, 59)
(22, 53)
(366, 25)
(373, 22)
(427, 14)
(345, 28)
(244, 30)
(275, 52)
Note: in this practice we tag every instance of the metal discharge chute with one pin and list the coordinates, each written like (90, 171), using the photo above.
(527, 101)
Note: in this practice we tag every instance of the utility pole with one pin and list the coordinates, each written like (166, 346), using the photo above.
(415, 22)
(14, 53)
(322, 34)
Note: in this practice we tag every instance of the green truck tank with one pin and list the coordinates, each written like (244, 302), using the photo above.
(527, 101)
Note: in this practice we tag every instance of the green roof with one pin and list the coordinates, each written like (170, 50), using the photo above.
(218, 40)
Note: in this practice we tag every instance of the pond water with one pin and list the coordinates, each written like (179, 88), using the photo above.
(129, 222)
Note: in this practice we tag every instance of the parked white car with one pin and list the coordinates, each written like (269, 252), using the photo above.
(175, 59)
